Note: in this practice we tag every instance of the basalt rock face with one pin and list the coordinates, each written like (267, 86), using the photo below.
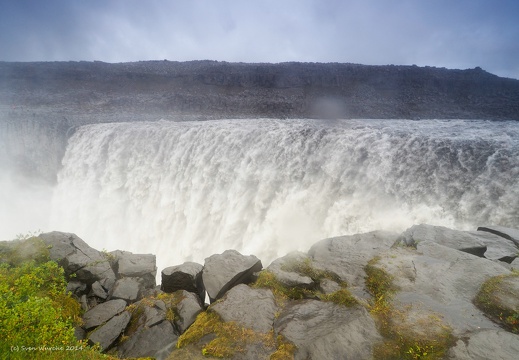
(221, 89)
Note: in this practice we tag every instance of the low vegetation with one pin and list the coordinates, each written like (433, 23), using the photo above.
(37, 315)
(490, 300)
(428, 338)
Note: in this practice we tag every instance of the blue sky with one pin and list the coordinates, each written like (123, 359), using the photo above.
(445, 33)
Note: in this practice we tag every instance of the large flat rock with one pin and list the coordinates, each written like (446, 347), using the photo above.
(324, 330)
(251, 308)
(346, 256)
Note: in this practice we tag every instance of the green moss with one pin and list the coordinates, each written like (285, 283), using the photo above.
(401, 340)
(37, 313)
(487, 300)
(341, 297)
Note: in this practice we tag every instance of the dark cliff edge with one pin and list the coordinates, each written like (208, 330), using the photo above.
(211, 89)
(41, 103)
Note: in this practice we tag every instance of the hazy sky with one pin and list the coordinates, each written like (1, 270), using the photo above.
(445, 33)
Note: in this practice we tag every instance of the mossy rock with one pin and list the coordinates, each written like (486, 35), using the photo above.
(498, 298)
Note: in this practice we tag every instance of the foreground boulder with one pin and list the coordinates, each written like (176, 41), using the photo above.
(346, 256)
(223, 271)
(140, 266)
(251, 308)
(187, 276)
(76, 257)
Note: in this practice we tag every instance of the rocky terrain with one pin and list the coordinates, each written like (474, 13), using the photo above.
(430, 292)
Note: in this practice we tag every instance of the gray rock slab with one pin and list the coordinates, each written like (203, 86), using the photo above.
(136, 265)
(498, 248)
(290, 278)
(102, 313)
(435, 279)
(346, 256)
(485, 345)
(324, 330)
(459, 240)
(106, 335)
(128, 289)
(223, 271)
(157, 341)
(507, 233)
(188, 309)
(251, 308)
(187, 276)
(76, 257)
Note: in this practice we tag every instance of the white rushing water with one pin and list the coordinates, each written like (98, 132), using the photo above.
(186, 190)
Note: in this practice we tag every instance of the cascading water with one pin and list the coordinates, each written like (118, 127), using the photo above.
(186, 190)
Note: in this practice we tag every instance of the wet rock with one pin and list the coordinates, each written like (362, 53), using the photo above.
(223, 271)
(102, 313)
(99, 291)
(187, 276)
(128, 289)
(107, 334)
(157, 341)
(251, 308)
(323, 330)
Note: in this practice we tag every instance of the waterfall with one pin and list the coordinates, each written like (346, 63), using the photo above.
(186, 190)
